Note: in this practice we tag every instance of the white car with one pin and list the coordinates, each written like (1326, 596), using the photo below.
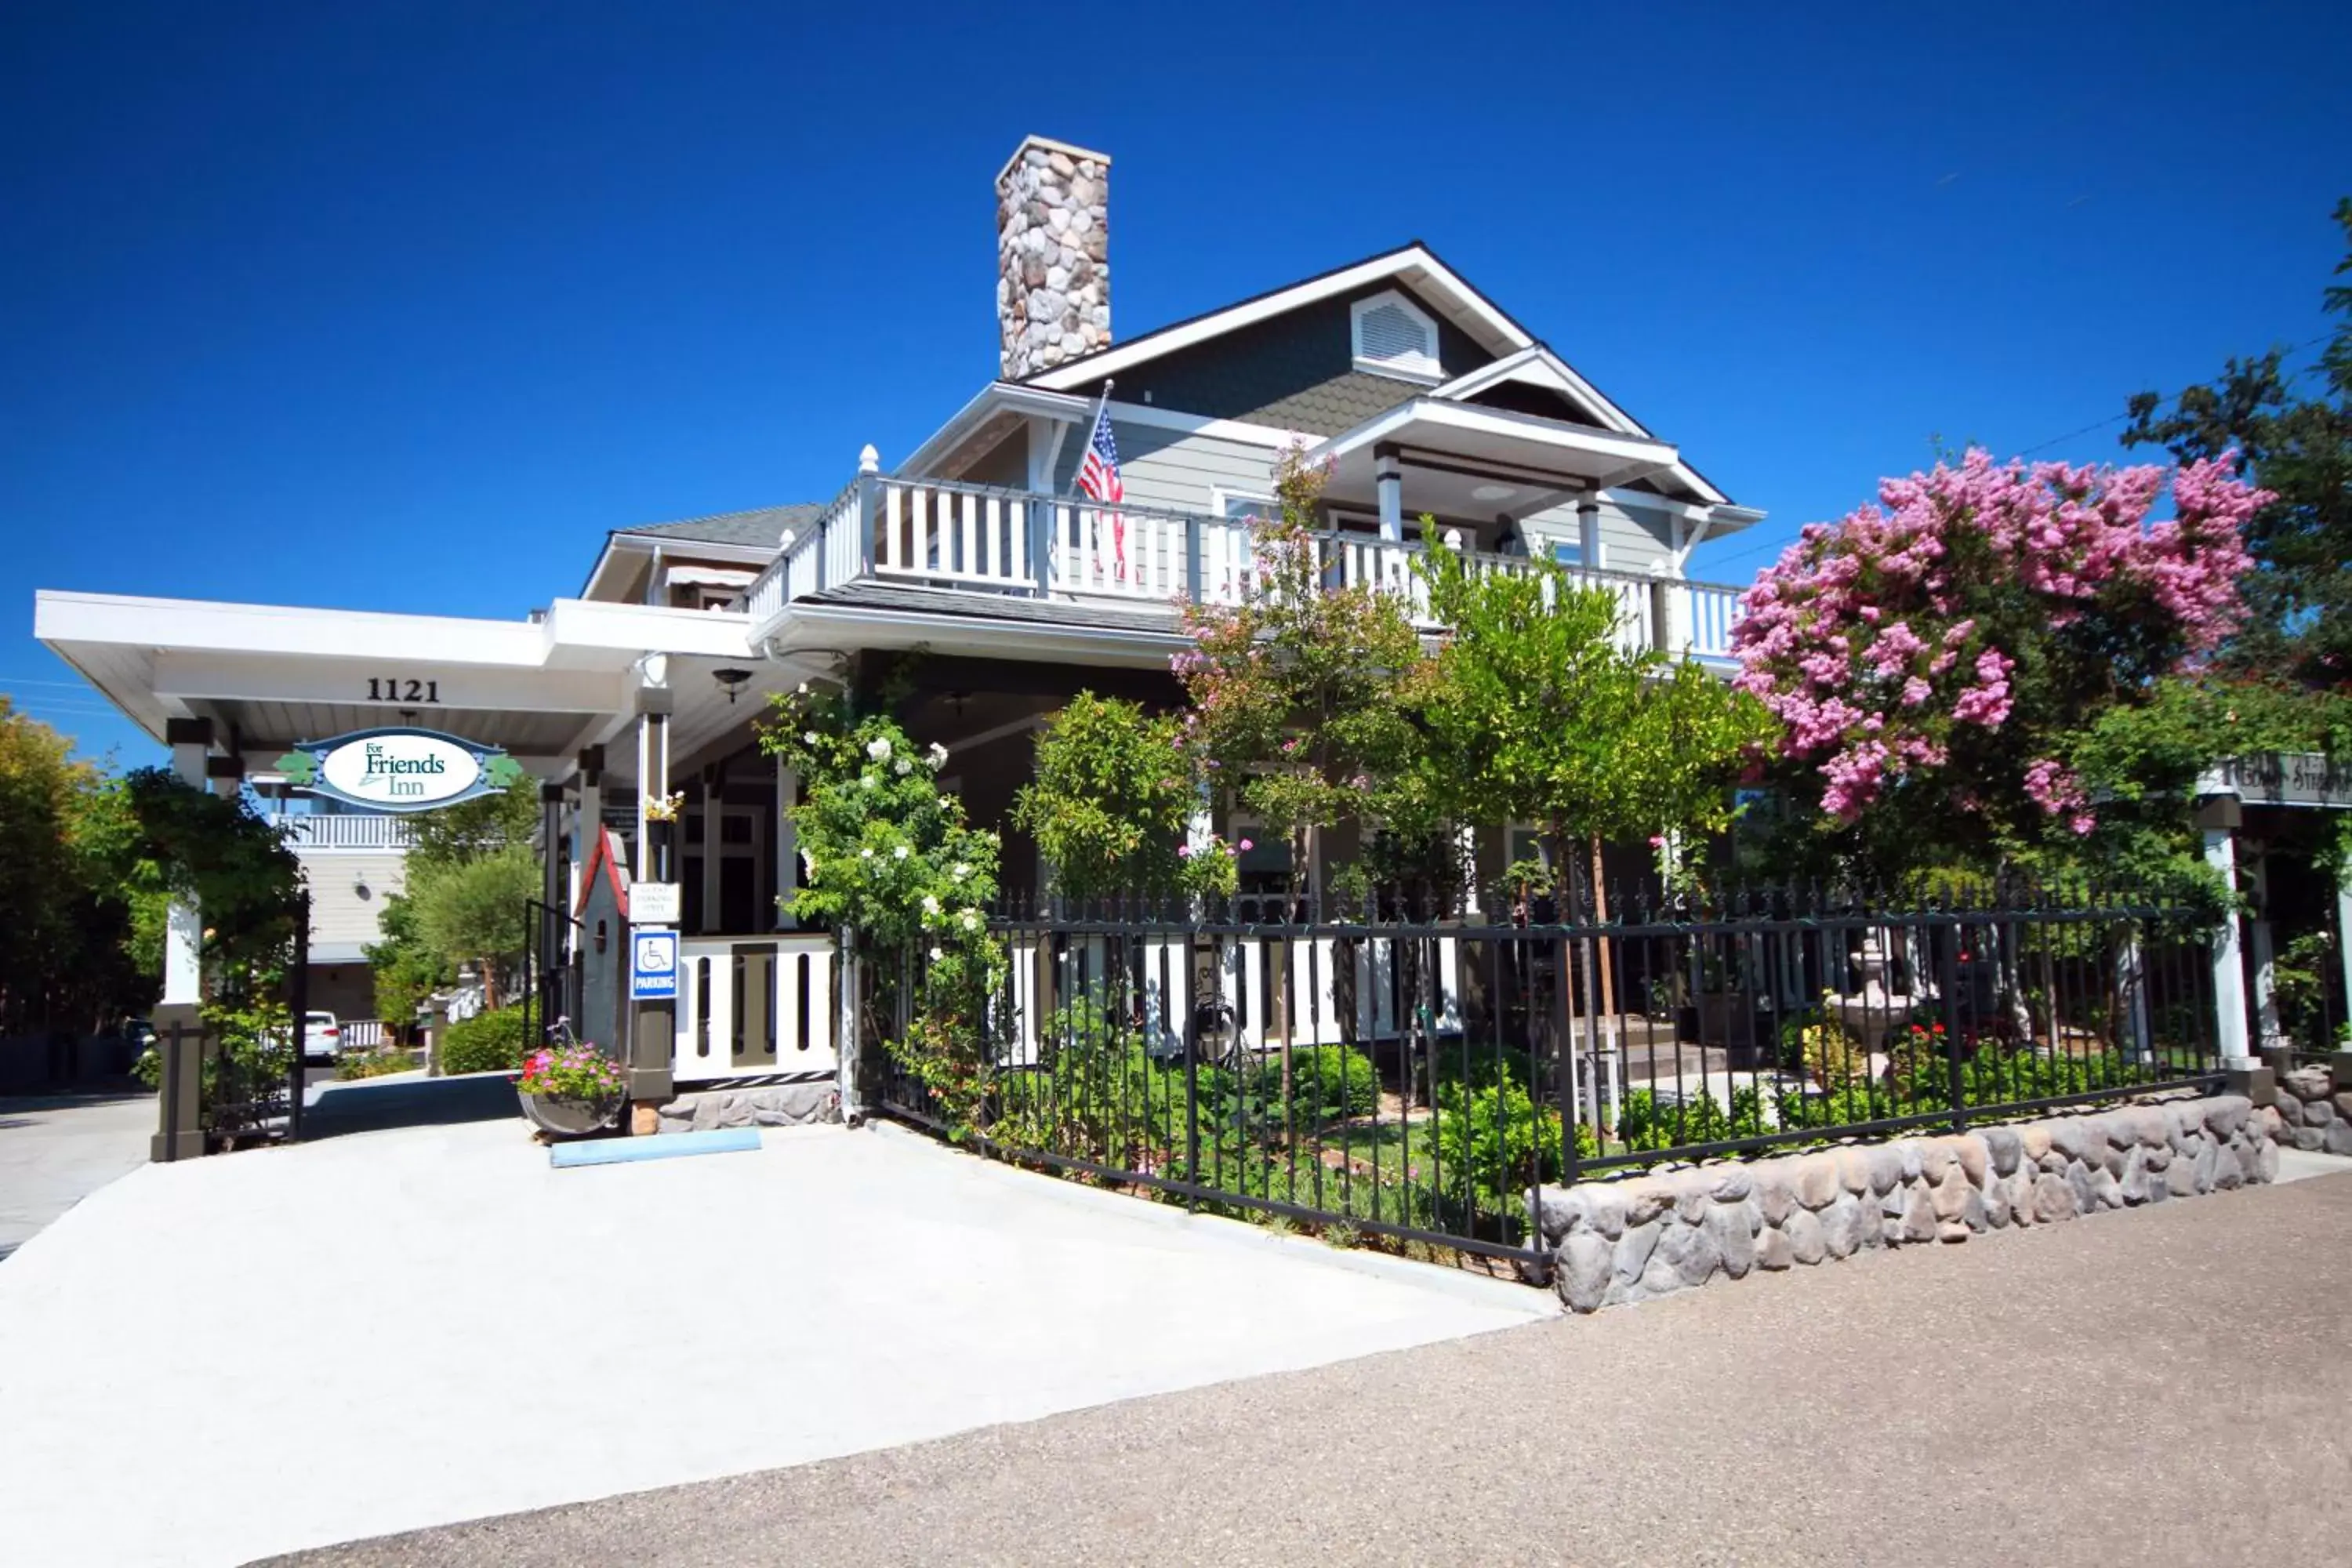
(323, 1037)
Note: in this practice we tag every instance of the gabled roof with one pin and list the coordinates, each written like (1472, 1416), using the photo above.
(763, 525)
(605, 857)
(1414, 264)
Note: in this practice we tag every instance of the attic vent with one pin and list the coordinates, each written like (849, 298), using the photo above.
(1395, 337)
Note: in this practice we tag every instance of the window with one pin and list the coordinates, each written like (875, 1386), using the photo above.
(1236, 505)
(1393, 336)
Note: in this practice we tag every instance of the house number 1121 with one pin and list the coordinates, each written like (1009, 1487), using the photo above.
(398, 690)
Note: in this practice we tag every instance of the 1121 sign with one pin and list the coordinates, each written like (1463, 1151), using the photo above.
(395, 690)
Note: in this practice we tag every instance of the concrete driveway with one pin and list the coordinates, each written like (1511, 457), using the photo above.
(261, 1351)
(56, 1151)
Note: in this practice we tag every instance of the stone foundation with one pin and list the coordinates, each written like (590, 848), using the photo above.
(762, 1105)
(1619, 1241)
(2312, 1110)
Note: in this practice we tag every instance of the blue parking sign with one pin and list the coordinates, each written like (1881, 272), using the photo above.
(653, 965)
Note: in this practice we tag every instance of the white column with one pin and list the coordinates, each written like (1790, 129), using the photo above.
(2229, 970)
(2342, 937)
(2262, 951)
(1387, 480)
(788, 845)
(1588, 532)
(183, 925)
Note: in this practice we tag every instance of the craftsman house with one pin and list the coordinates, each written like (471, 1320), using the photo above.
(1426, 396)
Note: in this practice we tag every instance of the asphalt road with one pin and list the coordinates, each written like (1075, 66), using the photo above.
(2165, 1385)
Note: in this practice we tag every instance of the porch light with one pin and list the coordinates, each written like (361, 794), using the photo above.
(732, 679)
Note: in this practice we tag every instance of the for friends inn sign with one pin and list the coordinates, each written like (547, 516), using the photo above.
(399, 770)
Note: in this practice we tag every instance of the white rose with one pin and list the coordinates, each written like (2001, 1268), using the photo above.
(937, 955)
(899, 853)
(961, 871)
(971, 920)
(865, 853)
(902, 767)
(878, 749)
(939, 755)
(804, 688)
(868, 781)
(930, 904)
(809, 736)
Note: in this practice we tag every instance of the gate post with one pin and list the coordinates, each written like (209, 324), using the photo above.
(179, 1096)
(848, 1042)
(297, 1002)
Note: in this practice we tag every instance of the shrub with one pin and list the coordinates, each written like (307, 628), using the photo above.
(1326, 1083)
(375, 1063)
(486, 1042)
(1495, 1141)
(1644, 1124)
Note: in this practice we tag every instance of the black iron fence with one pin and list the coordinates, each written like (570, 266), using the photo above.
(1418, 1074)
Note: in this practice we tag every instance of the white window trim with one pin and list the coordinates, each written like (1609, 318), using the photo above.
(1219, 495)
(1434, 376)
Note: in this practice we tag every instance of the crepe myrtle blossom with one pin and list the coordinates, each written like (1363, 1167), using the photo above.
(1869, 638)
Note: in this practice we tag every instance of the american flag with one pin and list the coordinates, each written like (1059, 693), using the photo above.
(1099, 478)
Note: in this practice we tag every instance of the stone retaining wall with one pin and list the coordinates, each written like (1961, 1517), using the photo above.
(1619, 1241)
(759, 1105)
(2312, 1110)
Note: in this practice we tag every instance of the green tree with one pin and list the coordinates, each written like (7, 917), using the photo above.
(1538, 711)
(1301, 692)
(1112, 794)
(68, 959)
(474, 910)
(2298, 447)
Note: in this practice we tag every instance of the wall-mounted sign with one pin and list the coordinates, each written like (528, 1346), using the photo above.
(653, 965)
(2282, 778)
(655, 903)
(399, 770)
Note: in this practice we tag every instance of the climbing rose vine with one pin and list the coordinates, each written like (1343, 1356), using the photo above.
(1944, 643)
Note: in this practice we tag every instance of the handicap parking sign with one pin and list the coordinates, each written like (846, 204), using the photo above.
(653, 965)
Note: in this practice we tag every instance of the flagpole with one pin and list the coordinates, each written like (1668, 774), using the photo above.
(1100, 404)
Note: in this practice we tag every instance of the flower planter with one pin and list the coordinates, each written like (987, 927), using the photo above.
(567, 1115)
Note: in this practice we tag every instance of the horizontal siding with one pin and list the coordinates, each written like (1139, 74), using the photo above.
(1630, 541)
(1173, 468)
(338, 913)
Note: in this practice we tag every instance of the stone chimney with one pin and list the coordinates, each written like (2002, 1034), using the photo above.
(1053, 271)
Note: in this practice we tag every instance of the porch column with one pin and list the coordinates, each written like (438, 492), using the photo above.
(1387, 478)
(714, 789)
(788, 845)
(656, 702)
(2229, 970)
(226, 774)
(190, 739)
(2344, 946)
(587, 817)
(1588, 531)
(550, 956)
(2262, 950)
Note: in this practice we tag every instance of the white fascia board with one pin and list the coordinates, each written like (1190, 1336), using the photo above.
(593, 626)
(996, 397)
(834, 626)
(274, 677)
(1538, 366)
(199, 624)
(1198, 425)
(1472, 418)
(1457, 301)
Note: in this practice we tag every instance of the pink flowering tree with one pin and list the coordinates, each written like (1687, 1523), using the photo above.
(1935, 658)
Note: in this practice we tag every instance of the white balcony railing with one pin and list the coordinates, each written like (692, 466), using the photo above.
(352, 832)
(976, 538)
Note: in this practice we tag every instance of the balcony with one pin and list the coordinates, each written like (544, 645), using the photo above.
(975, 539)
(339, 831)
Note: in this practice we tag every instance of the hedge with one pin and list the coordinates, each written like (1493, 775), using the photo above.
(486, 1042)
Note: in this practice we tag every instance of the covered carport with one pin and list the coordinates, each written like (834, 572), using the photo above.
(603, 706)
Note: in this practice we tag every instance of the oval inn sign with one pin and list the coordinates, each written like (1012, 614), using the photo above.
(399, 770)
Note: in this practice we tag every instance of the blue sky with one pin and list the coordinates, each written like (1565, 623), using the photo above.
(403, 306)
